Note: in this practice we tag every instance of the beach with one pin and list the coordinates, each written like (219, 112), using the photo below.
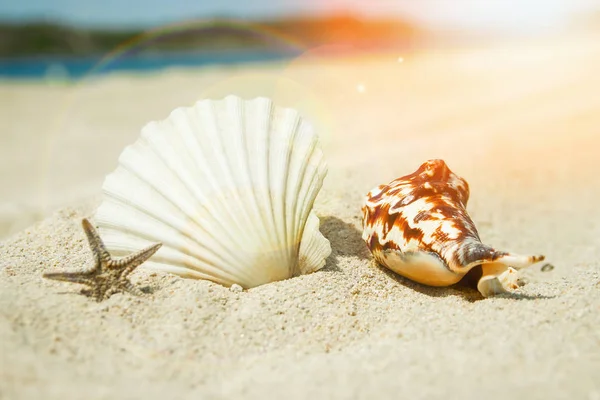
(519, 120)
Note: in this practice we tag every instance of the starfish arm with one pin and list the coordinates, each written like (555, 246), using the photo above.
(96, 244)
(132, 261)
(128, 287)
(85, 278)
(104, 294)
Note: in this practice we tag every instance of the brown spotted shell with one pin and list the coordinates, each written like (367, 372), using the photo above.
(418, 226)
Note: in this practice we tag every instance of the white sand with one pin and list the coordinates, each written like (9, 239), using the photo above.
(520, 122)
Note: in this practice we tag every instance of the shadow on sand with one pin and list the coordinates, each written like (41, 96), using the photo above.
(466, 288)
(346, 240)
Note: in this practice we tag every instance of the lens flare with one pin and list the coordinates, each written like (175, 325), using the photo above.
(280, 85)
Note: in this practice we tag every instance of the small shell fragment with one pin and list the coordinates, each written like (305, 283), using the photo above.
(547, 267)
(236, 288)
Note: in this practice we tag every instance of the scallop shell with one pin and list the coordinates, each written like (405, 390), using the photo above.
(227, 186)
(418, 227)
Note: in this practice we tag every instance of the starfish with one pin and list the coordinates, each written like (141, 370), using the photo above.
(108, 276)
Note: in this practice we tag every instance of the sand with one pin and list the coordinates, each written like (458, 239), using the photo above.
(520, 121)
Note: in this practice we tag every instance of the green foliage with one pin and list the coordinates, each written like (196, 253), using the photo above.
(42, 39)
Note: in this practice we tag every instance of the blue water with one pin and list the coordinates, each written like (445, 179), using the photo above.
(67, 68)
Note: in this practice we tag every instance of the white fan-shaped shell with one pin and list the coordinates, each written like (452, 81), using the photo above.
(227, 186)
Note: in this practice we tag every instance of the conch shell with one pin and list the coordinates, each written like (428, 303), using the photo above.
(418, 227)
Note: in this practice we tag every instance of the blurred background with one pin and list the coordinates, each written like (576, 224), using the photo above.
(78, 79)
(69, 39)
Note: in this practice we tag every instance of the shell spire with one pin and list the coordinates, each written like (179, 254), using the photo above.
(477, 253)
(418, 226)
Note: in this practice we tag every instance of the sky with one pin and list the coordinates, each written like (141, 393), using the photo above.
(491, 15)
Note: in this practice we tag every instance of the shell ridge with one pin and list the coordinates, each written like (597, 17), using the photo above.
(250, 146)
(207, 188)
(144, 219)
(232, 140)
(281, 161)
(275, 112)
(276, 172)
(317, 183)
(297, 162)
(172, 253)
(237, 154)
(312, 247)
(175, 167)
(140, 232)
(299, 156)
(268, 113)
(305, 196)
(308, 173)
(258, 219)
(172, 165)
(255, 167)
(183, 272)
(206, 120)
(219, 122)
(210, 149)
